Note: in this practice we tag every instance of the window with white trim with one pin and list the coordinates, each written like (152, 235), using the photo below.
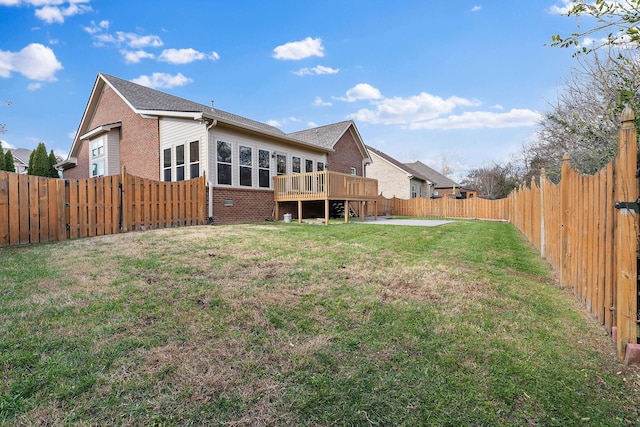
(166, 164)
(224, 163)
(281, 164)
(194, 159)
(180, 162)
(97, 156)
(353, 171)
(264, 169)
(246, 166)
(295, 165)
(308, 165)
(320, 166)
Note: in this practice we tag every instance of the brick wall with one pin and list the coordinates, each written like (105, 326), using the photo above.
(139, 139)
(346, 156)
(247, 205)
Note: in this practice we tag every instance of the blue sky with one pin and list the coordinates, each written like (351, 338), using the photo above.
(424, 80)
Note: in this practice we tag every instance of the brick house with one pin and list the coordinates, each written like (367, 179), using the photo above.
(163, 137)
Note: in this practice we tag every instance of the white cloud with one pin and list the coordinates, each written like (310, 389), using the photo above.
(405, 111)
(35, 62)
(318, 102)
(476, 8)
(318, 70)
(52, 12)
(427, 111)
(185, 56)
(482, 119)
(162, 80)
(135, 56)
(361, 91)
(299, 50)
(97, 28)
(561, 9)
(312, 125)
(132, 40)
(282, 122)
(6, 145)
(34, 86)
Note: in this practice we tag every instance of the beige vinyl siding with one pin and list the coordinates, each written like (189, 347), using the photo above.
(112, 150)
(175, 132)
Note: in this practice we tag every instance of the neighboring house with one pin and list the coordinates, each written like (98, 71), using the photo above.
(396, 179)
(443, 186)
(160, 136)
(21, 159)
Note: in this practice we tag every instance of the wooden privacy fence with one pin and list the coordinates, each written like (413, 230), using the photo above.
(35, 209)
(576, 226)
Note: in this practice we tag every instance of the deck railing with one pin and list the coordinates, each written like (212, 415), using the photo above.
(323, 185)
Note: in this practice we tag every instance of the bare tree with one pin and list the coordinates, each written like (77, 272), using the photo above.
(585, 119)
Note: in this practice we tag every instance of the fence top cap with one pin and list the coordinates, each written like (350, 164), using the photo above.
(627, 114)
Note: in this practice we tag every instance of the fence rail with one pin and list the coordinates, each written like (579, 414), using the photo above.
(35, 209)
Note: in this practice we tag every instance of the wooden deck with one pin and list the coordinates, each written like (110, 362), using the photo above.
(325, 186)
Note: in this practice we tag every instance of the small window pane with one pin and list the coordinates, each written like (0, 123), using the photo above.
(167, 174)
(245, 176)
(263, 177)
(180, 155)
(224, 174)
(308, 165)
(263, 159)
(167, 157)
(194, 170)
(245, 156)
(282, 164)
(180, 173)
(320, 166)
(224, 152)
(194, 153)
(295, 164)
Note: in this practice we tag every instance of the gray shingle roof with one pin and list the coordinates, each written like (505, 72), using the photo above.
(440, 180)
(21, 154)
(324, 136)
(402, 166)
(144, 98)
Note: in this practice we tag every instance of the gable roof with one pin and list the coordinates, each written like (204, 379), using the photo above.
(21, 154)
(150, 102)
(402, 166)
(434, 176)
(144, 99)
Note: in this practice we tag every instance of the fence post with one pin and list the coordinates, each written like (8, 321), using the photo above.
(543, 231)
(124, 224)
(626, 189)
(565, 192)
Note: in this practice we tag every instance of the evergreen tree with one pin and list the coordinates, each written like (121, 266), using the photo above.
(53, 172)
(9, 164)
(2, 161)
(39, 161)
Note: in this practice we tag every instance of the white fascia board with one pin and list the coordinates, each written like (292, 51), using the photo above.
(99, 130)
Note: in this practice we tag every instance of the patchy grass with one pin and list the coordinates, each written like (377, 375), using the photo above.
(287, 324)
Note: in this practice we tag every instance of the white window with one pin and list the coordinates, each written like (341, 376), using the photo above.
(97, 156)
(281, 164)
(320, 166)
(353, 171)
(166, 165)
(97, 168)
(264, 169)
(246, 166)
(295, 164)
(224, 163)
(308, 165)
(194, 159)
(180, 163)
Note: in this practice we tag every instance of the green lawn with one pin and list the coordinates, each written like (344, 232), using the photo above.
(287, 324)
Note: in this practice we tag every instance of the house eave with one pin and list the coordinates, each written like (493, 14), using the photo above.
(100, 130)
(69, 163)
